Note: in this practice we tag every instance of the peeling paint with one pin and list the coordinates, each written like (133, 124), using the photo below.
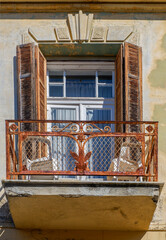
(160, 114)
(158, 75)
(52, 50)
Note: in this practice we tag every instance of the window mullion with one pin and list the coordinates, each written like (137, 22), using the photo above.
(64, 83)
(97, 84)
(48, 88)
(113, 84)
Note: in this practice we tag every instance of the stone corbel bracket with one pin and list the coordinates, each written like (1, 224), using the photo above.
(80, 26)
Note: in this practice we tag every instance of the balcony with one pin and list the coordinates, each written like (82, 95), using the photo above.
(72, 174)
(104, 150)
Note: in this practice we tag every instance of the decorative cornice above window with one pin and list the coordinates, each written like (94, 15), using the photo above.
(82, 27)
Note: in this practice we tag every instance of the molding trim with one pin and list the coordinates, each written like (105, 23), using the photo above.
(136, 6)
(81, 28)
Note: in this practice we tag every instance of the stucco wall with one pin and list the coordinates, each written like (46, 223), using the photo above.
(149, 31)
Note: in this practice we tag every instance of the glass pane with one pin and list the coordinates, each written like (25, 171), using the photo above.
(80, 86)
(63, 114)
(105, 91)
(98, 115)
(56, 79)
(104, 77)
(56, 91)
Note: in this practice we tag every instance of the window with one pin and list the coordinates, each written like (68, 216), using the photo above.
(84, 94)
(75, 83)
(79, 90)
(32, 95)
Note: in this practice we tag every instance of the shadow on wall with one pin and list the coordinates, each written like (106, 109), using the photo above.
(101, 15)
(5, 216)
(6, 234)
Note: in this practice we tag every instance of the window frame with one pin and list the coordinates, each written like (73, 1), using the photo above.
(82, 102)
(96, 66)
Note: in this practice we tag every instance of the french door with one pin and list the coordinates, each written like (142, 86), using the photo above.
(81, 91)
(100, 147)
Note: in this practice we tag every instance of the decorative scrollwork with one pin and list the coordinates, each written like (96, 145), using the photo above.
(13, 127)
(89, 128)
(149, 128)
(81, 160)
(74, 128)
(107, 129)
(81, 137)
(55, 128)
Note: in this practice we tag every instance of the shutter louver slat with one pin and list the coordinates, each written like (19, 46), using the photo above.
(133, 85)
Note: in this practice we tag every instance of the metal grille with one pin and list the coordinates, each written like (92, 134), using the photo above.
(61, 147)
(36, 154)
(123, 152)
(82, 148)
(108, 153)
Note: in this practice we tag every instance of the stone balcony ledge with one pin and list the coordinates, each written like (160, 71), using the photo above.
(86, 205)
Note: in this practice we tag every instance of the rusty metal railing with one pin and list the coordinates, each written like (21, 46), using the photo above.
(94, 149)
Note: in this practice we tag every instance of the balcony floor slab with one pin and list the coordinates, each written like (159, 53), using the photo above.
(86, 205)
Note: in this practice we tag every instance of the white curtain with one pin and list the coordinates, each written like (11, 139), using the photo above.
(80, 86)
(61, 146)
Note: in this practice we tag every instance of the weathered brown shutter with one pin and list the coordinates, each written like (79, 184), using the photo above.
(119, 88)
(128, 85)
(41, 97)
(133, 82)
(31, 70)
(26, 81)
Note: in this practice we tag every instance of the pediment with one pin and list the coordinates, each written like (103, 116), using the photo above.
(81, 28)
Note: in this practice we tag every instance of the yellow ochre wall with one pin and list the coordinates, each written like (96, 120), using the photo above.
(149, 32)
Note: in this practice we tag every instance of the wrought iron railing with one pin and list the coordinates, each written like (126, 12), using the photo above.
(94, 149)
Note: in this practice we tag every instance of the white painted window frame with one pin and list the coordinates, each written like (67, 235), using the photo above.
(81, 102)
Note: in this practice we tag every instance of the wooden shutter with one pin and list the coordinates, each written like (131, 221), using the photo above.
(119, 88)
(133, 82)
(128, 85)
(26, 81)
(41, 83)
(32, 93)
